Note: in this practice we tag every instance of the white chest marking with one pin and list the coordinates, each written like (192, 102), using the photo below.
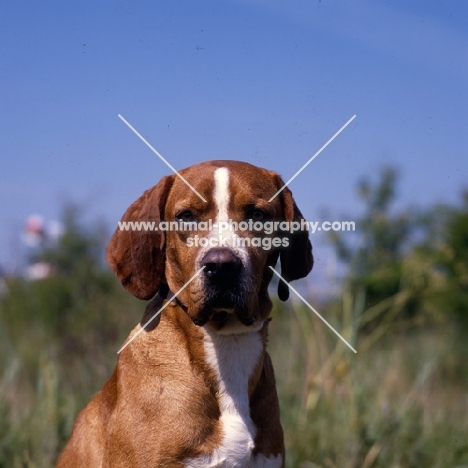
(233, 358)
(233, 355)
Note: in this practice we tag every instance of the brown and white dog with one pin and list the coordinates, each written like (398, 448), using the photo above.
(196, 388)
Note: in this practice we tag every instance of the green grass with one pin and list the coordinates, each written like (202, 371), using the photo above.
(401, 401)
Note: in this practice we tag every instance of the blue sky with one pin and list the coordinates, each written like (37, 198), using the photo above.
(264, 81)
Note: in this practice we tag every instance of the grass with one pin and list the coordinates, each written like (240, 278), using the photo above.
(401, 402)
(398, 402)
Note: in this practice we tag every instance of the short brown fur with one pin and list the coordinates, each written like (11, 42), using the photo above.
(160, 407)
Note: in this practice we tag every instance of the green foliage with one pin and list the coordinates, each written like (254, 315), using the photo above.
(79, 251)
(418, 256)
(453, 257)
(59, 337)
(397, 403)
(376, 265)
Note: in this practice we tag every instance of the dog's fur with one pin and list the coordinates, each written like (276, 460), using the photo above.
(196, 388)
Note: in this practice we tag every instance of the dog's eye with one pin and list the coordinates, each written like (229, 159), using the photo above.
(257, 215)
(185, 216)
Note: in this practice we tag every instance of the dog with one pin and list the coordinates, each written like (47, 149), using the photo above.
(196, 387)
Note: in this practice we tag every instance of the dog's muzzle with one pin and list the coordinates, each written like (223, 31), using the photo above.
(225, 289)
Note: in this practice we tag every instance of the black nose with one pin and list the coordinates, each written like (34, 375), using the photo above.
(221, 265)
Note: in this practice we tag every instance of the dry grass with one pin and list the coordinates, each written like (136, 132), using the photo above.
(399, 403)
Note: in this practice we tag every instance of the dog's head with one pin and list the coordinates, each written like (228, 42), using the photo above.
(232, 237)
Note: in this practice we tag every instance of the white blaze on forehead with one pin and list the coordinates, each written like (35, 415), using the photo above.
(223, 233)
(221, 193)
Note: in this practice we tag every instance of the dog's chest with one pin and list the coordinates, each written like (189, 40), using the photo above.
(233, 358)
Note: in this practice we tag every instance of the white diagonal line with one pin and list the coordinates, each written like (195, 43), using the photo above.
(312, 158)
(313, 310)
(160, 157)
(160, 310)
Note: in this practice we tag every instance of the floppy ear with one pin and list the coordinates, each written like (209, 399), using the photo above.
(296, 260)
(137, 256)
